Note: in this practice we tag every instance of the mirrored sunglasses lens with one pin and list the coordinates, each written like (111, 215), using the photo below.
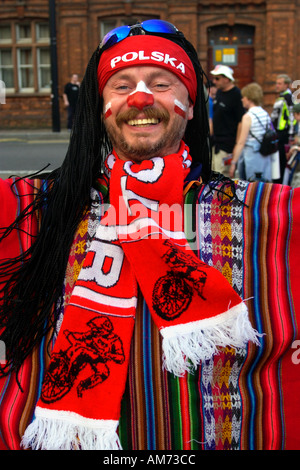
(159, 26)
(115, 35)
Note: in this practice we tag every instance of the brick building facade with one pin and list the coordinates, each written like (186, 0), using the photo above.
(257, 38)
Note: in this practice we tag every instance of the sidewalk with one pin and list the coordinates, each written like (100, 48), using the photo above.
(25, 151)
(26, 135)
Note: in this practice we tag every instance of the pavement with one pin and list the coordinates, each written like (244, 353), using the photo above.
(34, 135)
(25, 151)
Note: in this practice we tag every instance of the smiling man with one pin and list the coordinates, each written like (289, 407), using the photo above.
(148, 96)
(147, 112)
(124, 276)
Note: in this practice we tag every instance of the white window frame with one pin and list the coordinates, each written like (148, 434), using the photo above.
(2, 67)
(22, 67)
(39, 70)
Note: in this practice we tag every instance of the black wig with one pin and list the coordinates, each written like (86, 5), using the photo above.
(36, 278)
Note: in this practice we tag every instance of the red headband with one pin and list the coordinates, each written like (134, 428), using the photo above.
(145, 50)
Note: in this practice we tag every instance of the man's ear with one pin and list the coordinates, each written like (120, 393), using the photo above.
(190, 113)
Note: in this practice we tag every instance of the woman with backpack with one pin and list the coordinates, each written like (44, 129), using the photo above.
(247, 157)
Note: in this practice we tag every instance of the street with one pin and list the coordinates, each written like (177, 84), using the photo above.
(24, 155)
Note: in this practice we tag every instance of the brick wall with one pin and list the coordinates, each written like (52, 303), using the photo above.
(26, 112)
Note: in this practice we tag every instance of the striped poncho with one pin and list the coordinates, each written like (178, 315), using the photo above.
(244, 399)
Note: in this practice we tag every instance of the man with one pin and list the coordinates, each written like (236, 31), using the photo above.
(118, 245)
(212, 90)
(296, 112)
(70, 97)
(282, 118)
(227, 115)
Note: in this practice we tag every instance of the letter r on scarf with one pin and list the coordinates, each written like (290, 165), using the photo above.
(105, 264)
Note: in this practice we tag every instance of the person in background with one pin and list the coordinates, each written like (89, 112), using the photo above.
(253, 125)
(70, 97)
(227, 115)
(212, 90)
(296, 112)
(292, 170)
(282, 118)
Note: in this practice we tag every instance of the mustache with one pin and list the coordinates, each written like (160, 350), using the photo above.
(149, 113)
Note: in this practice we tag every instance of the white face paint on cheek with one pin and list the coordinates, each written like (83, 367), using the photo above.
(179, 108)
(107, 110)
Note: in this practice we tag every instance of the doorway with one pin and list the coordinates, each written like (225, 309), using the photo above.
(237, 39)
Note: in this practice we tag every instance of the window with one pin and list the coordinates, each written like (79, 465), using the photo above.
(5, 34)
(237, 34)
(44, 69)
(25, 56)
(111, 23)
(23, 32)
(25, 69)
(6, 69)
(42, 32)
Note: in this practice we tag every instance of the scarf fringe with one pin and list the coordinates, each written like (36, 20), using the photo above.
(185, 346)
(46, 433)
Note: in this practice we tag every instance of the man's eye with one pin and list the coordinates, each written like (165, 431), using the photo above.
(161, 85)
(122, 88)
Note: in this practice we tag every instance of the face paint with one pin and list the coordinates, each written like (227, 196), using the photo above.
(107, 110)
(180, 108)
(140, 97)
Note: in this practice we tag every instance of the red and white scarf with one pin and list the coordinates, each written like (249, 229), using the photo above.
(140, 242)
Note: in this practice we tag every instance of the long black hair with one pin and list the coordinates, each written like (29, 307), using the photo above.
(36, 277)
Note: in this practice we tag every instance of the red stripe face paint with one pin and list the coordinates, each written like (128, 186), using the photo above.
(107, 110)
(140, 97)
(180, 109)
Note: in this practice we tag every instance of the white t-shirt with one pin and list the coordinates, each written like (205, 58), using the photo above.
(259, 119)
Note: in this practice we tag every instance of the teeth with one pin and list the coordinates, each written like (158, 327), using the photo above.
(142, 122)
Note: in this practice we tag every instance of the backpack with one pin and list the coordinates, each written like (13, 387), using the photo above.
(269, 141)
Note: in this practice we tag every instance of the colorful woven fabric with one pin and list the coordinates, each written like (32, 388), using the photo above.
(239, 400)
(85, 381)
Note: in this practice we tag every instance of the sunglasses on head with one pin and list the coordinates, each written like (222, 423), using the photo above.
(149, 26)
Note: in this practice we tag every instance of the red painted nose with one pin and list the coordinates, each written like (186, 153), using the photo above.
(140, 100)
